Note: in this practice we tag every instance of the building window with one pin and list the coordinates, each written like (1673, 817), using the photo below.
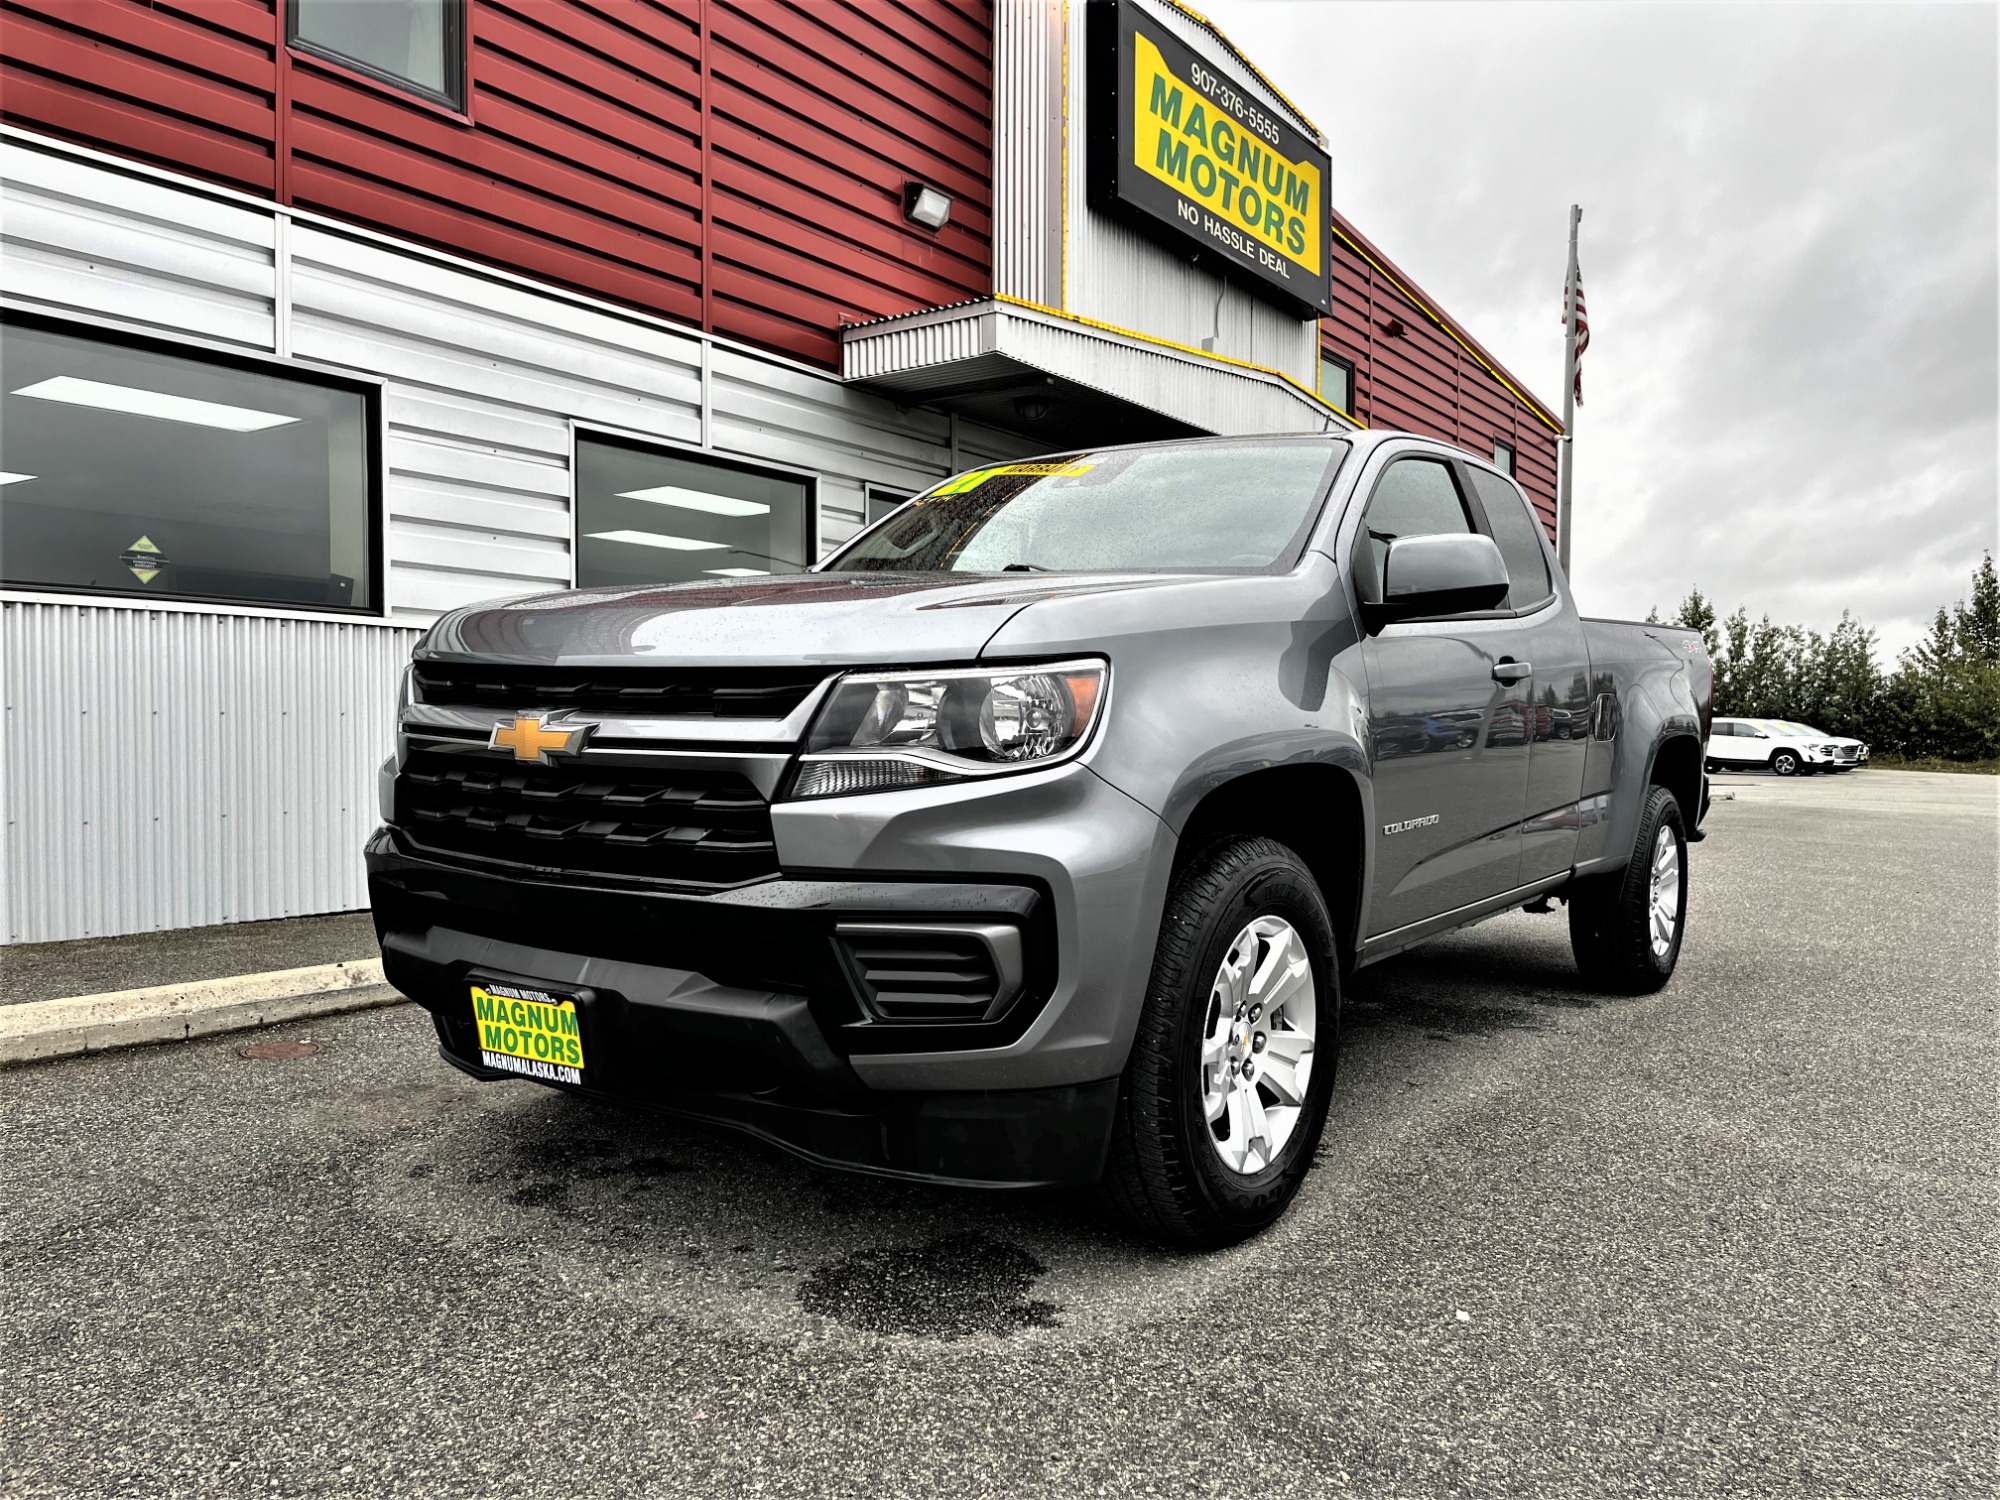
(1336, 382)
(647, 515)
(416, 45)
(131, 470)
(881, 502)
(1503, 456)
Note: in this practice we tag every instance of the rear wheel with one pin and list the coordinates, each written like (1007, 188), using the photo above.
(1626, 929)
(1786, 763)
(1226, 1092)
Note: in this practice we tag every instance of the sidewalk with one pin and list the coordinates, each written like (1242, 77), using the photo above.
(62, 999)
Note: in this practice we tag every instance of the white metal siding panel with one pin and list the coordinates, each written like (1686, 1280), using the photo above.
(979, 444)
(75, 237)
(1028, 149)
(167, 769)
(843, 507)
(784, 415)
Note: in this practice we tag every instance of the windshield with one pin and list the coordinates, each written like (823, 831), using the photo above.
(1805, 729)
(1233, 506)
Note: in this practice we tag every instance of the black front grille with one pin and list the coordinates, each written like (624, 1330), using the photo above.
(918, 974)
(699, 692)
(609, 815)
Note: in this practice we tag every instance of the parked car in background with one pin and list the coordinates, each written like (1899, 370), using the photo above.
(1785, 747)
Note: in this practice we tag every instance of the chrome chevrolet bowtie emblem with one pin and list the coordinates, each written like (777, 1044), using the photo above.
(533, 738)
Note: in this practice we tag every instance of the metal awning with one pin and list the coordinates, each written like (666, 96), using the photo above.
(1069, 380)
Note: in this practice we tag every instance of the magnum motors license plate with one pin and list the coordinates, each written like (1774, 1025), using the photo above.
(528, 1031)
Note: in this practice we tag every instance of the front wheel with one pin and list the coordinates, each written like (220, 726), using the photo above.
(1786, 763)
(1626, 929)
(1226, 1092)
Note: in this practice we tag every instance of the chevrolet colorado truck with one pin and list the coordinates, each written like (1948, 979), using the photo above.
(1027, 840)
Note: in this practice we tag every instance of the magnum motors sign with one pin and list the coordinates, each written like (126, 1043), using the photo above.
(1182, 149)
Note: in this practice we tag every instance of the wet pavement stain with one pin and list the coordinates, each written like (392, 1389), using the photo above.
(539, 1194)
(949, 1288)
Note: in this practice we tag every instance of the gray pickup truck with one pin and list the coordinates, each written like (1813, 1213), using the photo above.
(1028, 839)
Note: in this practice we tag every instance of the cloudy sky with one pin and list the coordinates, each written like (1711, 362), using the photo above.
(1789, 250)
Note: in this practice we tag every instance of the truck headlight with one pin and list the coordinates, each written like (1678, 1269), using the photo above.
(882, 730)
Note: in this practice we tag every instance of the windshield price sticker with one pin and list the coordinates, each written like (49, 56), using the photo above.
(1178, 146)
(530, 1032)
(973, 479)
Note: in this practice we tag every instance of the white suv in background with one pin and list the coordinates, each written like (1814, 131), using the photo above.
(1788, 749)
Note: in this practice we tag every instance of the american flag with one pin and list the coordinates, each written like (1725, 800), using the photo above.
(1582, 330)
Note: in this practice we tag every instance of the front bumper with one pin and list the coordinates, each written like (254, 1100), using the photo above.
(736, 1006)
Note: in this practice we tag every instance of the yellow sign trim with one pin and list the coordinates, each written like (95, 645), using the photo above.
(1237, 52)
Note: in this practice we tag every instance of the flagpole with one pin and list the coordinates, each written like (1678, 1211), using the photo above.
(1564, 477)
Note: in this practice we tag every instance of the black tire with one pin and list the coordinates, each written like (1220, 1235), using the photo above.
(1710, 767)
(1786, 763)
(1610, 916)
(1166, 1177)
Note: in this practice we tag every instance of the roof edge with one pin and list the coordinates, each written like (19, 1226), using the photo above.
(1403, 282)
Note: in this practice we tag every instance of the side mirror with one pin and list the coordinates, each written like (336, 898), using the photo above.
(1447, 574)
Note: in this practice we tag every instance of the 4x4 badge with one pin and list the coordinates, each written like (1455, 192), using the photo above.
(532, 738)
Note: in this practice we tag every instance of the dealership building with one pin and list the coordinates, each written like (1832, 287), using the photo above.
(323, 318)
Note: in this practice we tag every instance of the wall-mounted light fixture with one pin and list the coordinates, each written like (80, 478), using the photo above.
(925, 205)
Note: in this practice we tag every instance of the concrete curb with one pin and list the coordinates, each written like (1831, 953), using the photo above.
(39, 1029)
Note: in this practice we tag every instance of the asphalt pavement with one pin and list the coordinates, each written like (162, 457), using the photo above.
(1735, 1239)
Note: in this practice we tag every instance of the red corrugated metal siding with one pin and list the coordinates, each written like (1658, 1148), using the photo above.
(1410, 372)
(821, 109)
(184, 85)
(733, 163)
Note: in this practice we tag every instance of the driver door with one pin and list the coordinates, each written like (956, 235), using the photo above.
(1448, 720)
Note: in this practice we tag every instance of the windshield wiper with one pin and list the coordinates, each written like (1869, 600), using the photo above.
(1026, 568)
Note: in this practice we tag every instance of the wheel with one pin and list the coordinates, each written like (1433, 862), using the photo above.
(1786, 763)
(1626, 929)
(1226, 1091)
(1710, 767)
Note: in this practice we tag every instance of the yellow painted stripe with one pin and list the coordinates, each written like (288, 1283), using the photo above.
(1147, 338)
(1534, 407)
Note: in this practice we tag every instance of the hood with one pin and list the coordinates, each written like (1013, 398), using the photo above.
(839, 619)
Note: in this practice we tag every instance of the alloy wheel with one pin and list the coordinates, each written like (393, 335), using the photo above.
(1664, 908)
(1257, 1044)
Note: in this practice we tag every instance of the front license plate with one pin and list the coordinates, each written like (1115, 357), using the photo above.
(528, 1031)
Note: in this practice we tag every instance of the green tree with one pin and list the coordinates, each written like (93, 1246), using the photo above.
(1942, 700)
(1945, 697)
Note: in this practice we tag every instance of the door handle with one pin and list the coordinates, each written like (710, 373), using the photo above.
(1508, 670)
